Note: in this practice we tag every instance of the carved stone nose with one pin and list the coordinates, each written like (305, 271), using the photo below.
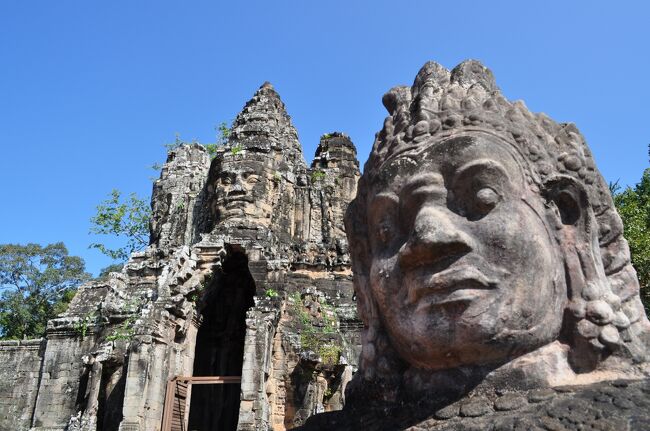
(434, 237)
(236, 189)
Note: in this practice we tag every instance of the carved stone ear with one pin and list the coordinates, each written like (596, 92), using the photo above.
(569, 199)
(587, 325)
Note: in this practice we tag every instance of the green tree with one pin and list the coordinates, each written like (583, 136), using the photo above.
(633, 204)
(126, 218)
(36, 284)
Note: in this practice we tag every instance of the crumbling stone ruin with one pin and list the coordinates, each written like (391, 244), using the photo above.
(491, 272)
(492, 280)
(247, 274)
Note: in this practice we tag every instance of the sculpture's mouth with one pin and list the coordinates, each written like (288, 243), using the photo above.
(234, 200)
(461, 282)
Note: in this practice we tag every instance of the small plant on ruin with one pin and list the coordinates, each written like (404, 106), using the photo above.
(173, 145)
(329, 318)
(277, 177)
(223, 133)
(197, 293)
(125, 331)
(236, 150)
(299, 310)
(271, 293)
(317, 176)
(311, 338)
(82, 325)
(180, 206)
(318, 337)
(325, 136)
(329, 353)
(212, 150)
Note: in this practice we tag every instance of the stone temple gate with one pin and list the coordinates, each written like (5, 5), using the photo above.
(247, 274)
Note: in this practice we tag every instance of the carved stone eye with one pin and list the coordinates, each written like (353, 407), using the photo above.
(252, 179)
(486, 199)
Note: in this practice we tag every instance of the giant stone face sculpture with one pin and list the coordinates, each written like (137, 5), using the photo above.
(463, 267)
(486, 247)
(244, 189)
(252, 178)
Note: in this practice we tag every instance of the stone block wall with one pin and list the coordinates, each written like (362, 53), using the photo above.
(20, 366)
(61, 379)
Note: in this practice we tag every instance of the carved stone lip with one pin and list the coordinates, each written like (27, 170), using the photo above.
(236, 199)
(460, 282)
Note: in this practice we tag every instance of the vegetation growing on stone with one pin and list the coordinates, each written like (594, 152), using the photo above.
(317, 175)
(126, 330)
(318, 333)
(84, 323)
(271, 293)
(236, 149)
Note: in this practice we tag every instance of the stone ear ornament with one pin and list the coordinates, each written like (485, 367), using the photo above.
(594, 322)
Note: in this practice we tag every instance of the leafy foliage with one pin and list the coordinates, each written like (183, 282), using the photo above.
(236, 150)
(125, 331)
(212, 150)
(317, 176)
(177, 143)
(36, 284)
(83, 324)
(223, 133)
(633, 204)
(127, 218)
(322, 337)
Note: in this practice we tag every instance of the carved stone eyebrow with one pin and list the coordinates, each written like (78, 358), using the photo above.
(481, 165)
(426, 181)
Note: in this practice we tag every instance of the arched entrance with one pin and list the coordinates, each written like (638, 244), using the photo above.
(220, 345)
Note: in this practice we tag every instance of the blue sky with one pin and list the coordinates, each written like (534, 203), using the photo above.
(90, 91)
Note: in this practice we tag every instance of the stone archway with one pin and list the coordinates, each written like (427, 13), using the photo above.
(219, 347)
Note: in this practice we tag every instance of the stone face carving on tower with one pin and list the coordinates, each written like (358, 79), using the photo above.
(489, 262)
(253, 177)
(247, 273)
